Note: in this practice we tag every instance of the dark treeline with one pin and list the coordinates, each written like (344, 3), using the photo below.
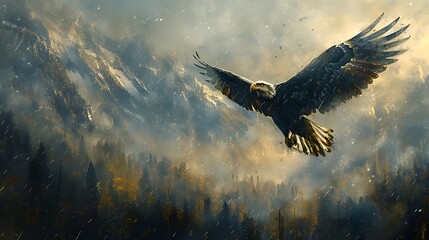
(56, 192)
(59, 191)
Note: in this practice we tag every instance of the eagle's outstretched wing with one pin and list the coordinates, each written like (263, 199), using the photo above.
(342, 71)
(235, 87)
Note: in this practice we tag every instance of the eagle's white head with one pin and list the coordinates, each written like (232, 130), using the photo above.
(263, 89)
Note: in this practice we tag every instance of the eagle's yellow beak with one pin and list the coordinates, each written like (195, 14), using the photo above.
(253, 87)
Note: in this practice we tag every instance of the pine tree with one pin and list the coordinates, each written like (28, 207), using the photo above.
(40, 194)
(224, 216)
(280, 220)
(223, 226)
(38, 176)
(92, 195)
(91, 202)
(207, 210)
(249, 231)
(144, 188)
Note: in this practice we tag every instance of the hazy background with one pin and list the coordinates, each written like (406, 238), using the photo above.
(272, 41)
(245, 37)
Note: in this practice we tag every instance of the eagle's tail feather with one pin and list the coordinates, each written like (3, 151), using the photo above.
(310, 138)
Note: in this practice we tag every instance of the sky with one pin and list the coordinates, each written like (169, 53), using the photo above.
(245, 35)
(272, 41)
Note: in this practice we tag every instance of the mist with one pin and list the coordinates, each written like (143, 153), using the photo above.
(273, 42)
(259, 41)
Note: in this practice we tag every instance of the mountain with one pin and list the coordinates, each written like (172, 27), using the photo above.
(75, 80)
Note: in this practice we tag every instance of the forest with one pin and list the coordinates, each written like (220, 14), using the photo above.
(60, 191)
(70, 119)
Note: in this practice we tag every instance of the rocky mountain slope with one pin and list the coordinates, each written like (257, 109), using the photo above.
(66, 78)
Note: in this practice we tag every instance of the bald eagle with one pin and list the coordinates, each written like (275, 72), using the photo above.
(335, 76)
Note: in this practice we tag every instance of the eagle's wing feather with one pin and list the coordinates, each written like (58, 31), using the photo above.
(233, 86)
(342, 71)
(335, 76)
